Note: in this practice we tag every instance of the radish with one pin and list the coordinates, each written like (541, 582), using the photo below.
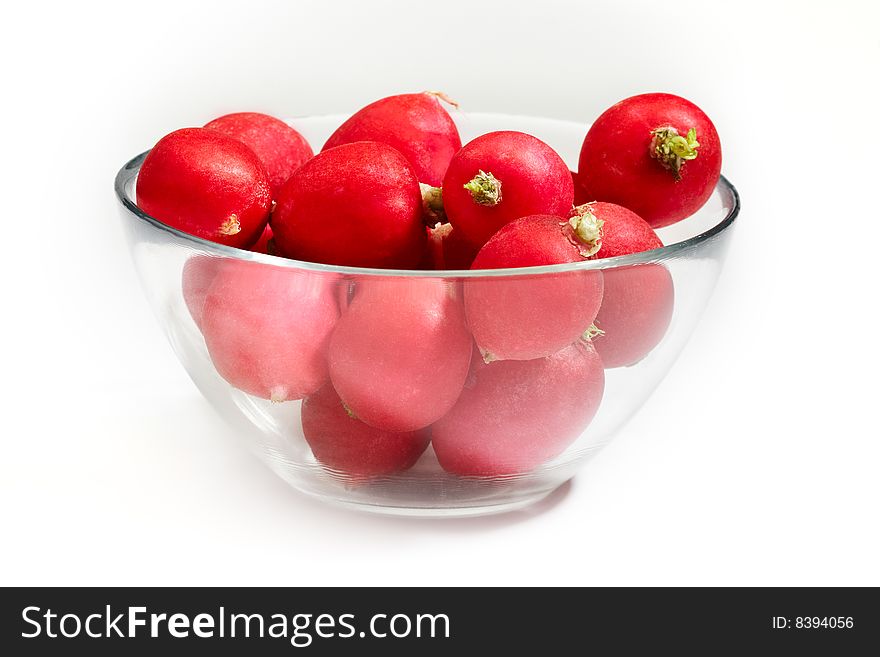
(417, 125)
(656, 154)
(343, 443)
(206, 184)
(358, 204)
(635, 313)
(622, 231)
(521, 317)
(447, 249)
(281, 149)
(502, 176)
(580, 194)
(400, 353)
(198, 274)
(515, 415)
(638, 299)
(265, 244)
(267, 328)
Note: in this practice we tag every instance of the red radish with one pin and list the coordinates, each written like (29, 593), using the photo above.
(635, 313)
(656, 154)
(417, 125)
(206, 184)
(527, 316)
(345, 444)
(502, 176)
(267, 328)
(265, 244)
(198, 274)
(400, 353)
(447, 249)
(638, 300)
(515, 415)
(580, 194)
(622, 231)
(433, 256)
(281, 149)
(359, 204)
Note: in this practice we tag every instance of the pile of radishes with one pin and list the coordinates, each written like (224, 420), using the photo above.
(499, 373)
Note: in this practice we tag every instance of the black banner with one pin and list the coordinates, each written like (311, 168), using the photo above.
(324, 621)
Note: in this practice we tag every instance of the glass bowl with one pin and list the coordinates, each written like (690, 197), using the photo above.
(518, 429)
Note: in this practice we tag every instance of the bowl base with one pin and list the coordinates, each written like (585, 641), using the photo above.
(464, 511)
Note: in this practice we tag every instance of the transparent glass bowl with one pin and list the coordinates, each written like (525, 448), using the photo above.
(687, 269)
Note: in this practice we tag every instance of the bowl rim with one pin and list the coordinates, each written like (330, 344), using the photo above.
(130, 169)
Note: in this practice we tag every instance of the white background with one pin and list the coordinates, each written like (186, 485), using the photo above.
(756, 460)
